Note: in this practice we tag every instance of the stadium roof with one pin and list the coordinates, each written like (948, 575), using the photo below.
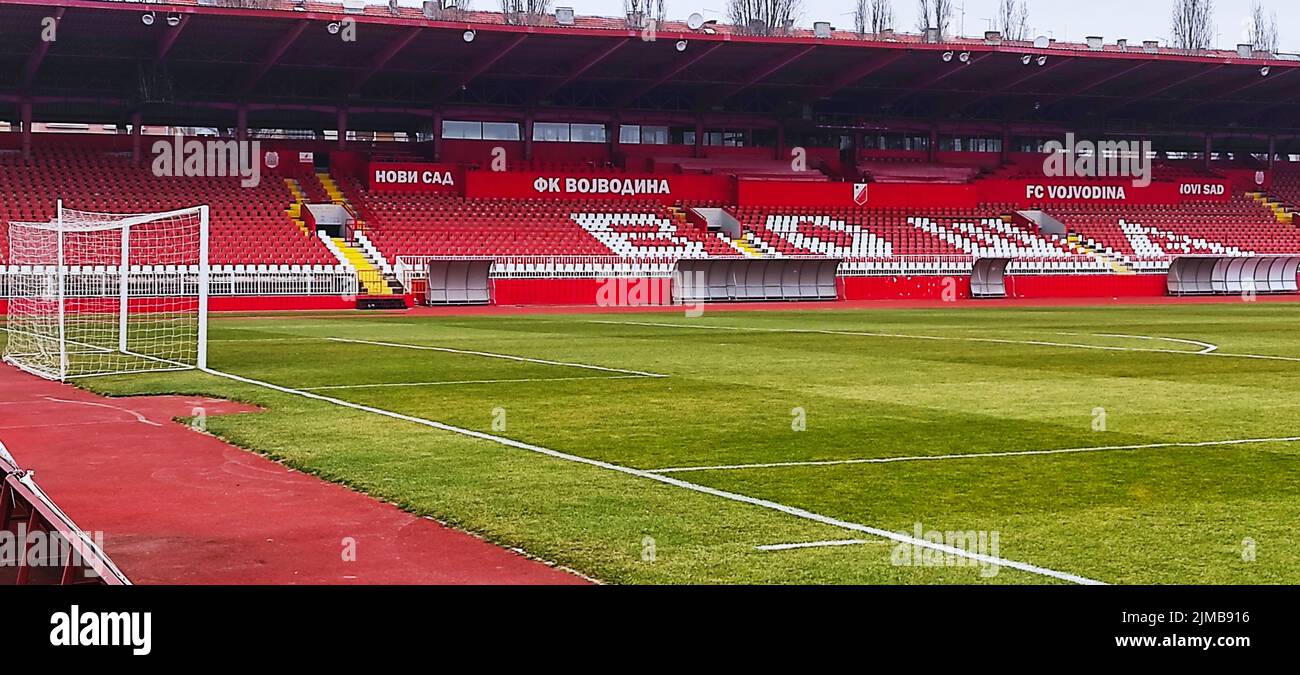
(289, 69)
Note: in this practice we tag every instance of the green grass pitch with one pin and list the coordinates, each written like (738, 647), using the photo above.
(746, 388)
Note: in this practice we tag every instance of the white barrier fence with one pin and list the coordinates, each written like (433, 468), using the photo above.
(146, 281)
(416, 268)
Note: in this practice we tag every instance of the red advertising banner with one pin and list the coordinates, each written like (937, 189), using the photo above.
(1027, 192)
(854, 195)
(626, 187)
(1021, 193)
(414, 177)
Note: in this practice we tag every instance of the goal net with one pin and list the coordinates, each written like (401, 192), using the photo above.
(108, 293)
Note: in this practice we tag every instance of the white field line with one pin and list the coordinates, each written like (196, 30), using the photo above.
(816, 544)
(978, 455)
(446, 382)
(951, 338)
(1206, 347)
(492, 355)
(753, 501)
(139, 418)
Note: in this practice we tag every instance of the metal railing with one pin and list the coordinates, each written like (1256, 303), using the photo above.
(104, 282)
(25, 508)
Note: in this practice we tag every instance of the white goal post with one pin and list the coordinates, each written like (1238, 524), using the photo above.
(108, 293)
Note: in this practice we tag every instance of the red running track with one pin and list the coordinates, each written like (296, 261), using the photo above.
(180, 507)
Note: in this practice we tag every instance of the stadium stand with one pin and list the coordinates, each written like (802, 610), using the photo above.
(1150, 233)
(249, 225)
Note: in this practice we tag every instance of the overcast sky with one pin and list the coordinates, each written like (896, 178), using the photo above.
(1063, 19)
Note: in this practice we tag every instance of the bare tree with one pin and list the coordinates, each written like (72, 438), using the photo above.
(1263, 29)
(1013, 20)
(1192, 25)
(764, 17)
(525, 12)
(934, 14)
(647, 10)
(873, 16)
(451, 10)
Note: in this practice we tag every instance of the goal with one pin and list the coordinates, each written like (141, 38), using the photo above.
(108, 293)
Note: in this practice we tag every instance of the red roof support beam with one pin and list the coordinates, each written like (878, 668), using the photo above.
(381, 59)
(272, 57)
(1034, 71)
(1152, 93)
(945, 71)
(1250, 83)
(37, 57)
(765, 70)
(169, 37)
(857, 73)
(584, 64)
(1096, 82)
(639, 90)
(478, 68)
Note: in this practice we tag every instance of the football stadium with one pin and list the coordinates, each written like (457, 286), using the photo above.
(320, 293)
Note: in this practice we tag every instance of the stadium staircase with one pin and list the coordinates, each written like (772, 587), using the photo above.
(1283, 213)
(295, 208)
(1082, 245)
(747, 246)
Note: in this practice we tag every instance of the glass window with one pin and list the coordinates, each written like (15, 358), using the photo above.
(629, 134)
(587, 133)
(654, 135)
(458, 129)
(500, 131)
(550, 132)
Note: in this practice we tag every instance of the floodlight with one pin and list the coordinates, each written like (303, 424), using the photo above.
(333, 27)
(681, 45)
(147, 18)
(1026, 59)
(1042, 61)
(964, 57)
(468, 36)
(947, 57)
(173, 19)
(1264, 71)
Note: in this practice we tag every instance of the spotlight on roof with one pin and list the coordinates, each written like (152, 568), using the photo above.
(947, 57)
(695, 21)
(964, 57)
(147, 18)
(333, 27)
(1042, 60)
(468, 36)
(681, 45)
(1026, 59)
(1264, 71)
(173, 19)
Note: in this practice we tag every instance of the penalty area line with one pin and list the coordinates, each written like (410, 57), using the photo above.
(978, 455)
(954, 338)
(453, 382)
(492, 355)
(816, 544)
(675, 482)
